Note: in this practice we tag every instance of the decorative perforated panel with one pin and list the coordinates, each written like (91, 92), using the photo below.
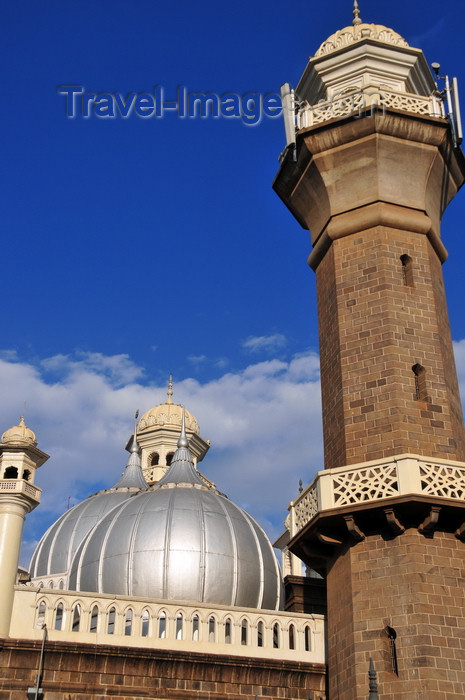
(442, 480)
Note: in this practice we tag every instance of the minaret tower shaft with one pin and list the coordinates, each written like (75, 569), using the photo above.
(372, 169)
(19, 459)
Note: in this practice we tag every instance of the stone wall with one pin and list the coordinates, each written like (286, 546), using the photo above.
(414, 585)
(83, 671)
(379, 320)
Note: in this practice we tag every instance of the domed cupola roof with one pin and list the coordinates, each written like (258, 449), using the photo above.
(168, 415)
(180, 540)
(54, 553)
(19, 435)
(359, 31)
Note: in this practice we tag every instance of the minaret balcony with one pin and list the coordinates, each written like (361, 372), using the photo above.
(21, 487)
(396, 493)
(365, 102)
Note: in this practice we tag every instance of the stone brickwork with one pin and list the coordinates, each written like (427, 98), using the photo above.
(414, 585)
(372, 191)
(81, 672)
(375, 326)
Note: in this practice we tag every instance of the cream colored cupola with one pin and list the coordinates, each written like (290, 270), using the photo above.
(19, 455)
(361, 67)
(158, 433)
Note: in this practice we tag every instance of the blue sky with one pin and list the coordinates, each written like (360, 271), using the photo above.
(138, 247)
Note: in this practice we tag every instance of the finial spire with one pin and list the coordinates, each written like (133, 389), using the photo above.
(182, 470)
(182, 442)
(135, 446)
(356, 14)
(132, 476)
(373, 684)
(170, 389)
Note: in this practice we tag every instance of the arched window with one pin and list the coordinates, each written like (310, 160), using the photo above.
(154, 459)
(162, 625)
(179, 624)
(128, 623)
(26, 474)
(291, 637)
(145, 623)
(50, 584)
(76, 618)
(260, 634)
(111, 617)
(392, 636)
(244, 630)
(169, 457)
(407, 270)
(93, 620)
(227, 631)
(40, 615)
(420, 383)
(195, 628)
(61, 585)
(275, 636)
(59, 616)
(307, 638)
(11, 473)
(211, 628)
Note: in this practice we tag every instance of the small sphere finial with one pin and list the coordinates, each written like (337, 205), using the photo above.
(356, 14)
(170, 389)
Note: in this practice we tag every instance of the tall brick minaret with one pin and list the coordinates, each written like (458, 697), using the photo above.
(374, 164)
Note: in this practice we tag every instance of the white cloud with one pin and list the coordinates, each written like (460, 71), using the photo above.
(264, 423)
(119, 369)
(196, 359)
(459, 352)
(265, 343)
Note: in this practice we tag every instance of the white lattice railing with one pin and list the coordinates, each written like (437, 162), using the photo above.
(118, 620)
(361, 103)
(20, 486)
(375, 481)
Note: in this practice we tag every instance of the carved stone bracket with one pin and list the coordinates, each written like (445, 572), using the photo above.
(325, 539)
(460, 532)
(393, 522)
(430, 522)
(352, 527)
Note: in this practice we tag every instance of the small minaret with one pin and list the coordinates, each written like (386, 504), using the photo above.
(158, 432)
(19, 459)
(372, 167)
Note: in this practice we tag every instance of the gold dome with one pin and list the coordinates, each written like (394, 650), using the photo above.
(167, 415)
(19, 435)
(359, 32)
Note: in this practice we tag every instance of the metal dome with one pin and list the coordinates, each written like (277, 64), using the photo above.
(54, 553)
(180, 540)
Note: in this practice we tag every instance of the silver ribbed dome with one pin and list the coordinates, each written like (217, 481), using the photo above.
(54, 553)
(180, 540)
